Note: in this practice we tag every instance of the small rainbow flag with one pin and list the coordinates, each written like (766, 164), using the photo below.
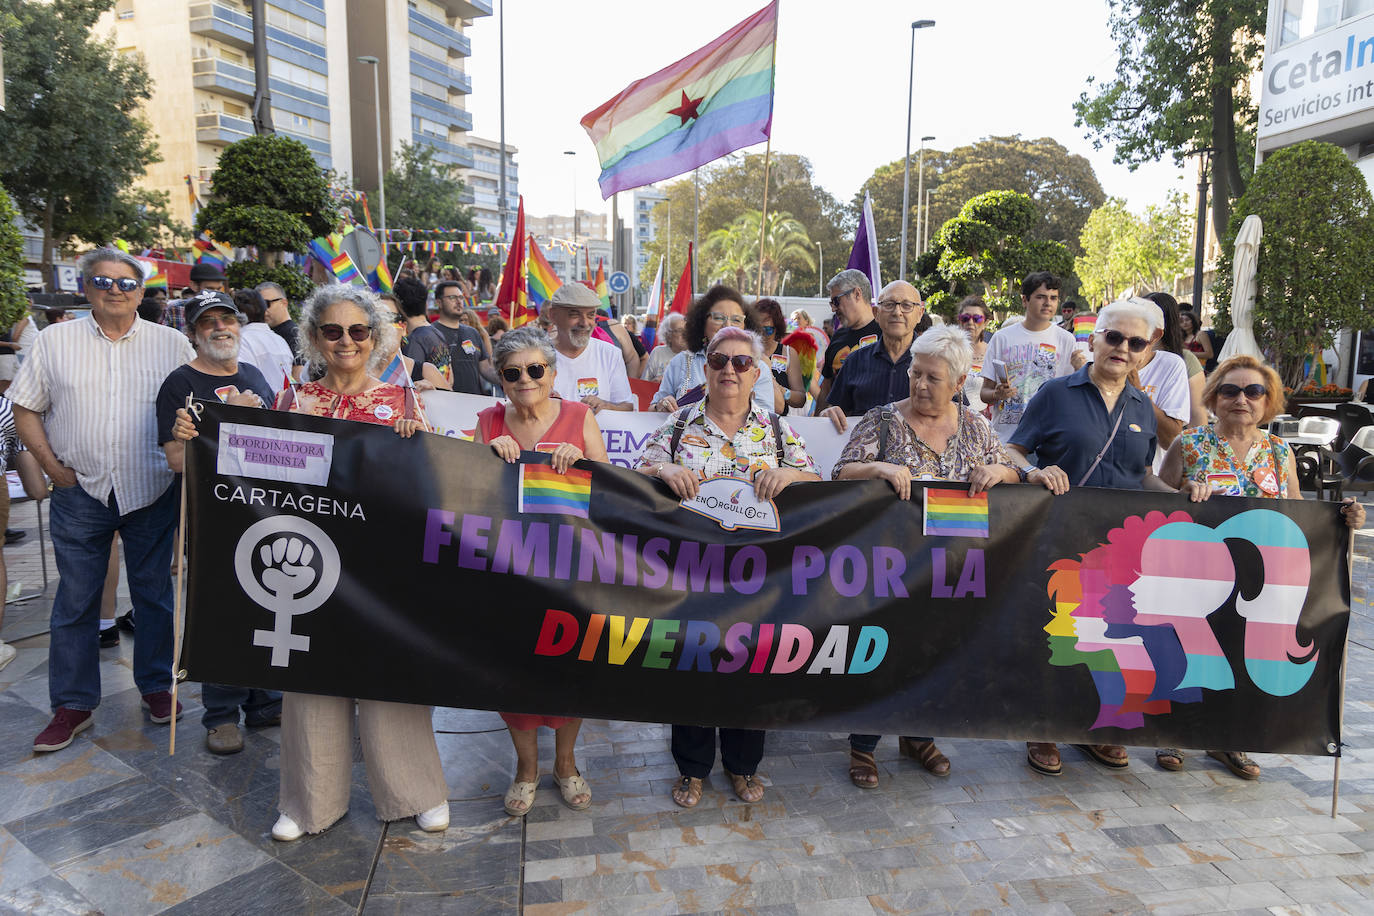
(344, 268)
(1083, 327)
(540, 281)
(954, 513)
(380, 279)
(544, 491)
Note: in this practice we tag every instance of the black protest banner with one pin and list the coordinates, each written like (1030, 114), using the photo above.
(337, 558)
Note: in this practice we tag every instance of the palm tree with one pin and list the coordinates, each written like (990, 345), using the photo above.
(786, 243)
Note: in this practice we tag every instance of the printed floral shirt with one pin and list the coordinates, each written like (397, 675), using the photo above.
(972, 445)
(1209, 459)
(383, 404)
(706, 449)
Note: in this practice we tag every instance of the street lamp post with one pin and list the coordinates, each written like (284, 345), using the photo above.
(573, 153)
(376, 66)
(920, 193)
(906, 164)
(925, 243)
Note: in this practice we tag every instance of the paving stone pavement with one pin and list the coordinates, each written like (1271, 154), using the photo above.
(114, 825)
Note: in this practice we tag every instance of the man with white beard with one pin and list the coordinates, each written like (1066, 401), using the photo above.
(213, 324)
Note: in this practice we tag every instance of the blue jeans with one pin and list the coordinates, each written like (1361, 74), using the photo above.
(222, 704)
(82, 530)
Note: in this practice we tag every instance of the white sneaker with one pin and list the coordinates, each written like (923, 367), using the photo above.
(7, 654)
(286, 830)
(434, 820)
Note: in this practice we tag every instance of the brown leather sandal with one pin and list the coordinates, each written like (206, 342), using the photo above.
(863, 769)
(687, 792)
(1237, 762)
(1109, 755)
(1043, 757)
(925, 753)
(745, 787)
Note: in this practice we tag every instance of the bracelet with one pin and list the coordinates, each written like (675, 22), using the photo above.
(1024, 472)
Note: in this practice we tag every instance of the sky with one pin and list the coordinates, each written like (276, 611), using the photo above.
(987, 67)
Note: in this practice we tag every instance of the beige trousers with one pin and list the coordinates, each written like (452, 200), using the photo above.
(403, 768)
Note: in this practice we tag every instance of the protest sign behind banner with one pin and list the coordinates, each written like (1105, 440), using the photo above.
(430, 571)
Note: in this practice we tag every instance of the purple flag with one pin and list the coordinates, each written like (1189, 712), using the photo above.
(864, 255)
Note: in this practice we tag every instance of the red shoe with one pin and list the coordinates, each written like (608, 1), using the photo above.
(65, 725)
(159, 706)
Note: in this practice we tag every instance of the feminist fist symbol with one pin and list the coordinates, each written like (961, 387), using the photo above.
(289, 549)
(287, 579)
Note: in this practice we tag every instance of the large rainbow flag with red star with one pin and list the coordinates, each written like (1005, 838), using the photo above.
(712, 102)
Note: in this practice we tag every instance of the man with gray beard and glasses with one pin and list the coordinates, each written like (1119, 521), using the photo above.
(213, 323)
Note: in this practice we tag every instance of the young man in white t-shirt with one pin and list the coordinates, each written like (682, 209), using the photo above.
(1026, 355)
(589, 370)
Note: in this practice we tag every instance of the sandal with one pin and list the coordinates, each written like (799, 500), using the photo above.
(520, 797)
(1043, 757)
(926, 754)
(863, 769)
(1112, 756)
(746, 789)
(1169, 758)
(1237, 762)
(574, 786)
(687, 793)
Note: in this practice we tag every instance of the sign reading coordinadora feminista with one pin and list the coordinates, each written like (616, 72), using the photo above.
(337, 558)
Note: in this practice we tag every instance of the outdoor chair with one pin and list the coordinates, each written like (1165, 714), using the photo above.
(1352, 418)
(1350, 470)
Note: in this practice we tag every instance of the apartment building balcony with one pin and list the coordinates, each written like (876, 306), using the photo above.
(466, 9)
(224, 78)
(444, 151)
(223, 23)
(220, 129)
(431, 69)
(443, 112)
(441, 33)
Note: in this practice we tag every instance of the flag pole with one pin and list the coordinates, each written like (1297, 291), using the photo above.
(767, 156)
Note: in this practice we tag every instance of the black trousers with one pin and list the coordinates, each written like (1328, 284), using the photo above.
(694, 750)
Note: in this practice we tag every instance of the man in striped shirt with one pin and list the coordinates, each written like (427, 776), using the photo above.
(84, 404)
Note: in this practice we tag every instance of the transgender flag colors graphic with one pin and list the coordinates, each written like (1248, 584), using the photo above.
(544, 491)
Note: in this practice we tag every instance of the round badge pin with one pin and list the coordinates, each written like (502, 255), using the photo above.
(382, 412)
(1134, 427)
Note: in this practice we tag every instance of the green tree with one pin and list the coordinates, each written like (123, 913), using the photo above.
(139, 216)
(1316, 258)
(422, 193)
(71, 137)
(269, 192)
(1124, 251)
(989, 245)
(736, 248)
(1182, 84)
(13, 302)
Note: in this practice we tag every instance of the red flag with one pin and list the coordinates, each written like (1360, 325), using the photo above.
(512, 298)
(682, 296)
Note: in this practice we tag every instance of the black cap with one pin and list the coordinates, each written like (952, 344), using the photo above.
(206, 271)
(208, 299)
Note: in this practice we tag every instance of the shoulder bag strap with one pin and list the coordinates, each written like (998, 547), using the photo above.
(1120, 412)
(888, 417)
(678, 427)
(777, 435)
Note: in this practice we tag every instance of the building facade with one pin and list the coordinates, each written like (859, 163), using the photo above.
(483, 193)
(642, 228)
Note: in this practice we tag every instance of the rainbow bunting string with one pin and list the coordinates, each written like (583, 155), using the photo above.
(544, 491)
(954, 513)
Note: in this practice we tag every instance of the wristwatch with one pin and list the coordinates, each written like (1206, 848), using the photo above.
(1023, 472)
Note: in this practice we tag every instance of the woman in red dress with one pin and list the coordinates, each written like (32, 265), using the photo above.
(535, 421)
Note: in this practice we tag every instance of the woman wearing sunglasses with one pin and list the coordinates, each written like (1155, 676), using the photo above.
(1095, 428)
(535, 421)
(784, 363)
(1235, 457)
(726, 435)
(973, 319)
(340, 327)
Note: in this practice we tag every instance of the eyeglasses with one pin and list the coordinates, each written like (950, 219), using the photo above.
(1253, 392)
(836, 300)
(906, 307)
(1114, 339)
(970, 318)
(534, 370)
(768, 330)
(722, 318)
(451, 298)
(206, 322)
(358, 332)
(742, 363)
(125, 284)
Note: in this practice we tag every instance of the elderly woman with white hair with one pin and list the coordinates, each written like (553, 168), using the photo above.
(926, 436)
(1095, 428)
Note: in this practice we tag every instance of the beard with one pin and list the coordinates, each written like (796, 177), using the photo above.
(220, 349)
(581, 338)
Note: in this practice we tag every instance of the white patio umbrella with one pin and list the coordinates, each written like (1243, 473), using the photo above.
(1241, 340)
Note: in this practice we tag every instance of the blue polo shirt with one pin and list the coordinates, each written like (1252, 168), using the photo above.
(869, 378)
(1066, 424)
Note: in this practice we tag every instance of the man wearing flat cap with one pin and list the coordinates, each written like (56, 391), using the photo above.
(203, 276)
(589, 370)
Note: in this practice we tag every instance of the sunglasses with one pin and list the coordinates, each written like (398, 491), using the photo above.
(534, 370)
(722, 318)
(271, 302)
(974, 319)
(213, 321)
(358, 332)
(1114, 339)
(1253, 392)
(742, 363)
(125, 284)
(768, 330)
(836, 300)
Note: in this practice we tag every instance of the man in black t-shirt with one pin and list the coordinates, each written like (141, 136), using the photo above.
(851, 296)
(422, 343)
(212, 323)
(279, 320)
(471, 361)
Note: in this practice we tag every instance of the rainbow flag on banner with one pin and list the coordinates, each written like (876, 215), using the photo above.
(954, 513)
(712, 102)
(540, 280)
(544, 491)
(1083, 327)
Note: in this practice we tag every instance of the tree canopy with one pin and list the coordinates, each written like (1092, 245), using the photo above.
(1063, 185)
(1181, 84)
(268, 192)
(422, 193)
(13, 302)
(1316, 258)
(71, 137)
(1122, 250)
(735, 249)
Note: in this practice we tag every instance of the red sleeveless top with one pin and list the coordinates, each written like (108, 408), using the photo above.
(567, 426)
